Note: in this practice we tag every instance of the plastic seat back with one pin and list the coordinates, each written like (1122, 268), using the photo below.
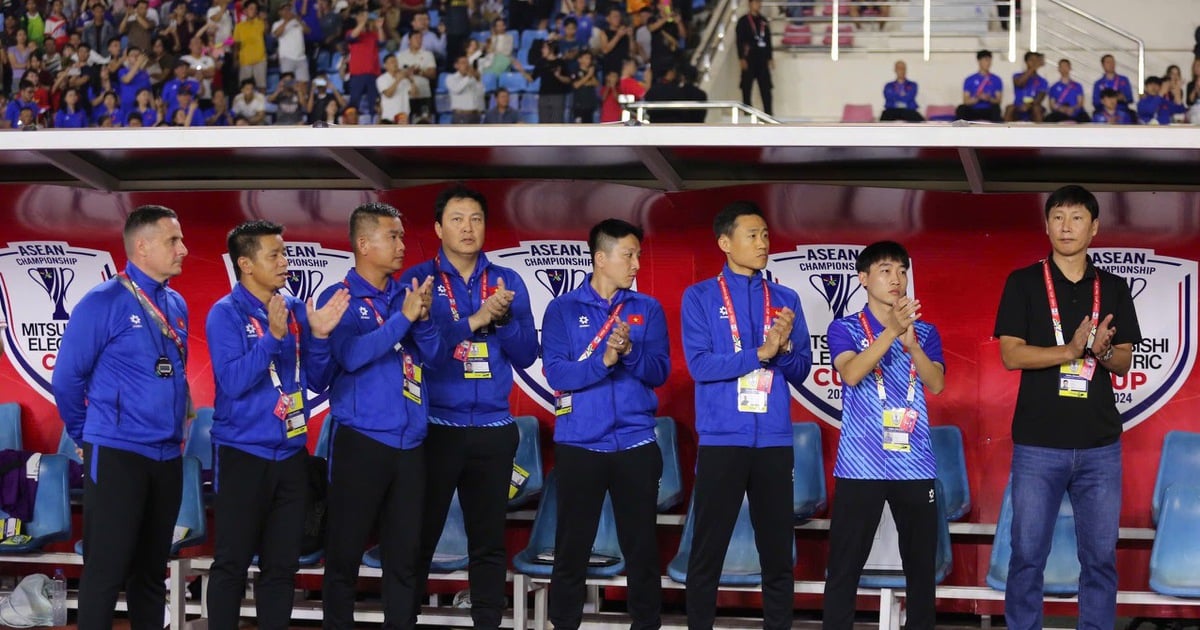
(451, 552)
(951, 471)
(541, 538)
(10, 427)
(322, 447)
(1179, 463)
(198, 440)
(670, 486)
(741, 566)
(191, 527)
(1062, 566)
(1176, 552)
(67, 446)
(941, 112)
(51, 520)
(943, 558)
(808, 473)
(858, 113)
(529, 460)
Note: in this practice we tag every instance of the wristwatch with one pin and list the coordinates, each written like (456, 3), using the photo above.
(1108, 354)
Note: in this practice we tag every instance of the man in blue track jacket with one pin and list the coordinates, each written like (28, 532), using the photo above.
(122, 392)
(745, 341)
(482, 310)
(267, 349)
(605, 350)
(379, 405)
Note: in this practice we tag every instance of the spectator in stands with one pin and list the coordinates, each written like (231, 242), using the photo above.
(250, 104)
(161, 63)
(1154, 108)
(660, 35)
(1066, 429)
(70, 115)
(201, 67)
(423, 72)
(51, 58)
(1112, 81)
(99, 30)
(56, 25)
(331, 27)
(1193, 87)
(27, 119)
(744, 422)
(615, 42)
(392, 19)
(1110, 111)
(181, 78)
(555, 84)
(982, 92)
(5, 123)
(72, 75)
(288, 97)
(320, 97)
(219, 25)
(466, 93)
(456, 22)
(665, 88)
(131, 443)
(137, 26)
(432, 40)
(19, 54)
(1029, 90)
(109, 106)
(1065, 97)
(144, 109)
(179, 30)
(218, 114)
(1172, 85)
(887, 358)
(690, 92)
(570, 45)
(501, 113)
(132, 77)
(502, 40)
(610, 104)
(364, 40)
(754, 54)
(290, 31)
(250, 37)
(585, 90)
(33, 23)
(605, 349)
(584, 18)
(629, 86)
(900, 97)
(187, 113)
(24, 98)
(395, 89)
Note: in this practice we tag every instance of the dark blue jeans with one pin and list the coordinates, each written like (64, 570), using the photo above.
(362, 85)
(1092, 478)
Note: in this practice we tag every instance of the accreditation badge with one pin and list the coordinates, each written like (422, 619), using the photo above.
(898, 424)
(295, 421)
(753, 391)
(475, 364)
(562, 403)
(1073, 377)
(412, 379)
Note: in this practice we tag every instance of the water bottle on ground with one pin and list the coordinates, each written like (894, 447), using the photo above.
(58, 598)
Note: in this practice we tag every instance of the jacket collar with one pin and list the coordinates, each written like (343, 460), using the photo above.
(442, 264)
(360, 288)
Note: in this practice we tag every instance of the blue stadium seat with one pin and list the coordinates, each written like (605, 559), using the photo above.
(66, 448)
(531, 35)
(191, 527)
(516, 35)
(944, 558)
(529, 458)
(435, 18)
(513, 82)
(1062, 567)
(197, 442)
(51, 520)
(809, 494)
(445, 118)
(442, 103)
(670, 486)
(529, 104)
(481, 36)
(10, 427)
(951, 471)
(441, 83)
(490, 82)
(741, 567)
(1176, 552)
(529, 118)
(534, 86)
(321, 449)
(1179, 463)
(541, 539)
(451, 552)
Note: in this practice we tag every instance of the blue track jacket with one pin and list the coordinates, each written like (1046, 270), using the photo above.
(612, 408)
(104, 380)
(366, 392)
(472, 402)
(244, 416)
(708, 346)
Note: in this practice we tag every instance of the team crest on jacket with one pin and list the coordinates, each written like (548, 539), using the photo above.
(41, 282)
(1164, 294)
(825, 278)
(549, 269)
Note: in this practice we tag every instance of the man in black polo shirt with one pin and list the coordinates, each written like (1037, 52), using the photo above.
(1066, 429)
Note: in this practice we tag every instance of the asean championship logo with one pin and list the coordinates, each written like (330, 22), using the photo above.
(1164, 294)
(40, 283)
(825, 279)
(549, 269)
(311, 269)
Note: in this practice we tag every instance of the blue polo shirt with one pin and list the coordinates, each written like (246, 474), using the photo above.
(1034, 86)
(1118, 83)
(1066, 94)
(900, 95)
(981, 85)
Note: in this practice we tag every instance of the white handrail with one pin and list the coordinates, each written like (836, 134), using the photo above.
(1102, 23)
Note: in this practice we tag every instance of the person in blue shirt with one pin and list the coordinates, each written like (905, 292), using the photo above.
(1066, 97)
(108, 107)
(187, 113)
(379, 406)
(605, 349)
(132, 77)
(267, 350)
(1154, 108)
(1110, 80)
(23, 100)
(900, 98)
(887, 356)
(1029, 90)
(170, 89)
(982, 92)
(487, 328)
(1111, 112)
(70, 116)
(745, 342)
(122, 392)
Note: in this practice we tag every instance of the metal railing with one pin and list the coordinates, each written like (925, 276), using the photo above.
(1069, 39)
(636, 111)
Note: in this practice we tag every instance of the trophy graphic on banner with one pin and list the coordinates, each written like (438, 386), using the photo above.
(560, 281)
(836, 288)
(54, 281)
(303, 283)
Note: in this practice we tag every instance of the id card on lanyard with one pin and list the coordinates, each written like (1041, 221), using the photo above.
(759, 27)
(1074, 375)
(753, 389)
(472, 354)
(290, 407)
(562, 400)
(898, 422)
(412, 371)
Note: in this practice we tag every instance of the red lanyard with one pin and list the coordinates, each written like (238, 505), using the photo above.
(878, 372)
(1054, 314)
(733, 327)
(608, 325)
(757, 26)
(293, 328)
(483, 289)
(152, 311)
(983, 83)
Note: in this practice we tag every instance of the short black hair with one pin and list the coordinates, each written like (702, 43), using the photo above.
(1029, 55)
(607, 232)
(570, 20)
(250, 82)
(1073, 195)
(499, 90)
(1102, 58)
(457, 191)
(1109, 92)
(1064, 60)
(371, 211)
(243, 240)
(726, 219)
(1153, 80)
(144, 216)
(881, 251)
(983, 54)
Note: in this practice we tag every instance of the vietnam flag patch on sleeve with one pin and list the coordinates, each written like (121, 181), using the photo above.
(636, 320)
